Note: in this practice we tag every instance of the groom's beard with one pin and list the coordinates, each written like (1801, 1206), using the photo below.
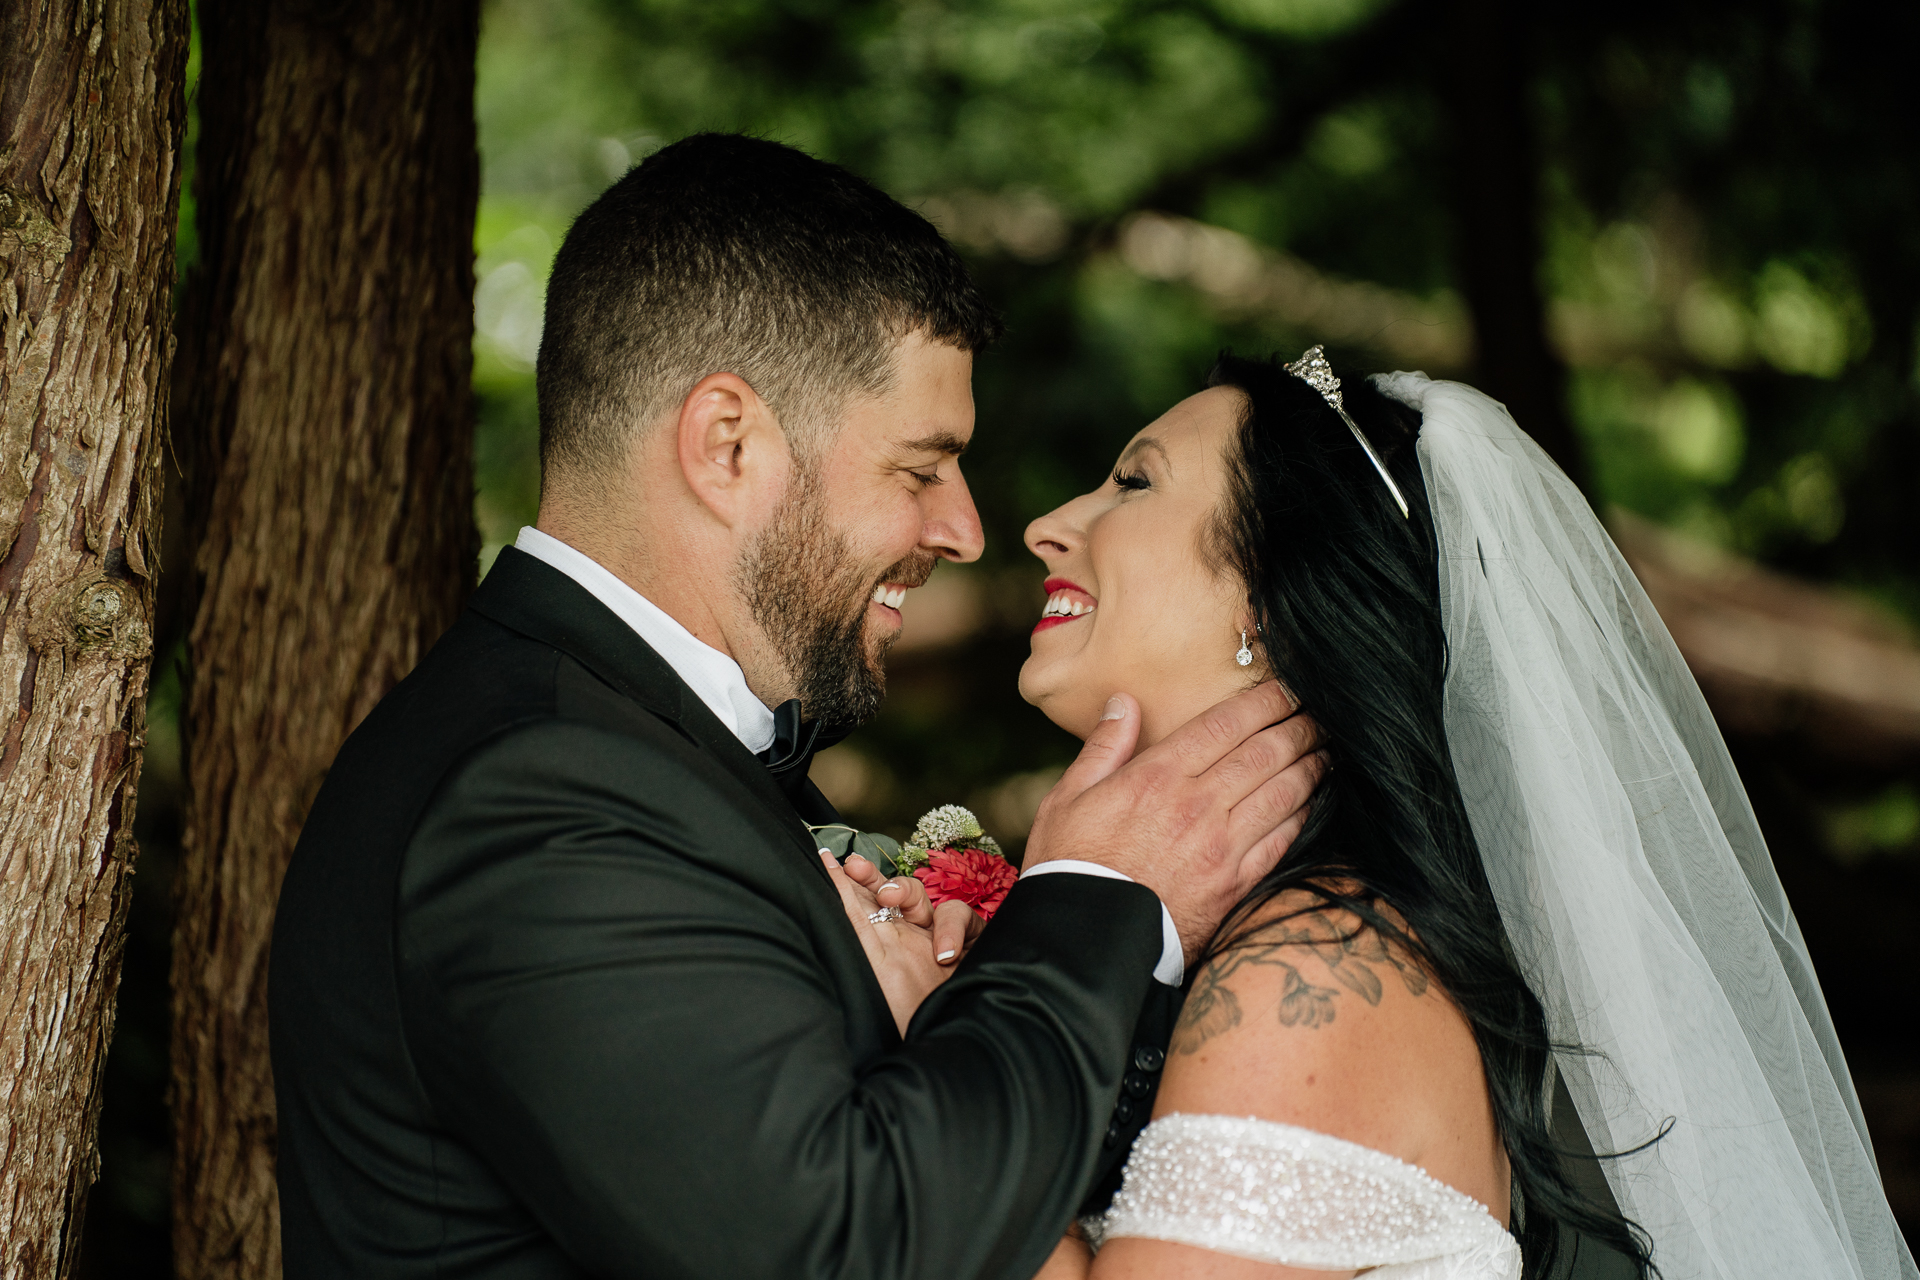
(806, 590)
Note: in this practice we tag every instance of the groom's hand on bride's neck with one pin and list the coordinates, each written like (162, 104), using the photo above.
(1199, 817)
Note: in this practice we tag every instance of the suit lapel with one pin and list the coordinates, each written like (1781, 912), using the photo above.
(532, 597)
(527, 595)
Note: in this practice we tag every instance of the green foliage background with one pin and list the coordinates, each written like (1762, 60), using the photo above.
(1726, 198)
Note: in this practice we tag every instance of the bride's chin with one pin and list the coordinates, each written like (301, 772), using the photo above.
(1029, 685)
(1052, 702)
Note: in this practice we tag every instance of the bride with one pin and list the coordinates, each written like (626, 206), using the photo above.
(1531, 858)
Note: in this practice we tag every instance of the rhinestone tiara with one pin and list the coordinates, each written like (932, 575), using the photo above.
(1314, 369)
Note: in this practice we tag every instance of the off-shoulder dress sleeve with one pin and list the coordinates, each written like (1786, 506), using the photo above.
(1286, 1195)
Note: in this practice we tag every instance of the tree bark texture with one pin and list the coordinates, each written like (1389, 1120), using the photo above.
(330, 417)
(92, 113)
(1497, 208)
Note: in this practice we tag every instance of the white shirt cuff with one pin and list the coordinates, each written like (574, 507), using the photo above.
(1172, 968)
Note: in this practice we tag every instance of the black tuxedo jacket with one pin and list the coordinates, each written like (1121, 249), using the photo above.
(560, 989)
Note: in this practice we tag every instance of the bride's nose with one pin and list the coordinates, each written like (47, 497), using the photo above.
(1058, 533)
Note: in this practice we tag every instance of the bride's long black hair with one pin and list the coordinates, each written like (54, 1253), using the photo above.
(1346, 595)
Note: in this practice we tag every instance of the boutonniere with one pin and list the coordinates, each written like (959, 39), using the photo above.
(947, 852)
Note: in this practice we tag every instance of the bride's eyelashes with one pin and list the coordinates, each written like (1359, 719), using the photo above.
(1131, 480)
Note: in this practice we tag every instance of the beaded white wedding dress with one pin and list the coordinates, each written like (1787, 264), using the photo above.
(1290, 1196)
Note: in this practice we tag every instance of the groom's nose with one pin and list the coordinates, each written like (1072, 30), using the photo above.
(950, 524)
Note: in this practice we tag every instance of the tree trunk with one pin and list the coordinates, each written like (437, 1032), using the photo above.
(1496, 208)
(92, 110)
(330, 416)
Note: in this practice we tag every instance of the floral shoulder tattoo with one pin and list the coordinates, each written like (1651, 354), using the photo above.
(1304, 948)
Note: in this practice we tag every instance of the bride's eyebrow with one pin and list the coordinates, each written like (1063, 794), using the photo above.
(1140, 445)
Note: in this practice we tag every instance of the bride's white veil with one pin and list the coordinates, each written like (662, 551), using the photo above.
(1634, 883)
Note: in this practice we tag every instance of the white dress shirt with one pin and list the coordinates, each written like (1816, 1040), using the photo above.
(718, 681)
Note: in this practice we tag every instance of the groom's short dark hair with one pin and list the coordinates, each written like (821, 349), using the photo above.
(728, 253)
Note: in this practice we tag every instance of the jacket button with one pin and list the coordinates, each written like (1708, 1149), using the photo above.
(1137, 1085)
(1148, 1058)
(1123, 1111)
(1113, 1137)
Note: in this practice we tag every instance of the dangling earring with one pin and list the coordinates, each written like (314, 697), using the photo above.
(1245, 656)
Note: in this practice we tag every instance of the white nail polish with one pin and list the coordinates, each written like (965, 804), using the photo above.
(1116, 710)
(946, 955)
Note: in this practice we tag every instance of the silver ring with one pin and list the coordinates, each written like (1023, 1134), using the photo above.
(886, 915)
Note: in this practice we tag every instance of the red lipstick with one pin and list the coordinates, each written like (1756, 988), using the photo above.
(1053, 587)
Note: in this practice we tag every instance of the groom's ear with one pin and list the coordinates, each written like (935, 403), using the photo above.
(732, 452)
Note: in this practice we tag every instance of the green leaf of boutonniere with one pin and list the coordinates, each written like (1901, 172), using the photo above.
(844, 841)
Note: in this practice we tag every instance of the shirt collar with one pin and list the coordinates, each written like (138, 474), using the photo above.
(714, 678)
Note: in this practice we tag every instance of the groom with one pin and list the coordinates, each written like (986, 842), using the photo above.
(560, 985)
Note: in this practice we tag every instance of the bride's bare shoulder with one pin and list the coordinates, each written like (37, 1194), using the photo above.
(1315, 1019)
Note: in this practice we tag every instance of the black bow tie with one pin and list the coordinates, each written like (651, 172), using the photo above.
(794, 743)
